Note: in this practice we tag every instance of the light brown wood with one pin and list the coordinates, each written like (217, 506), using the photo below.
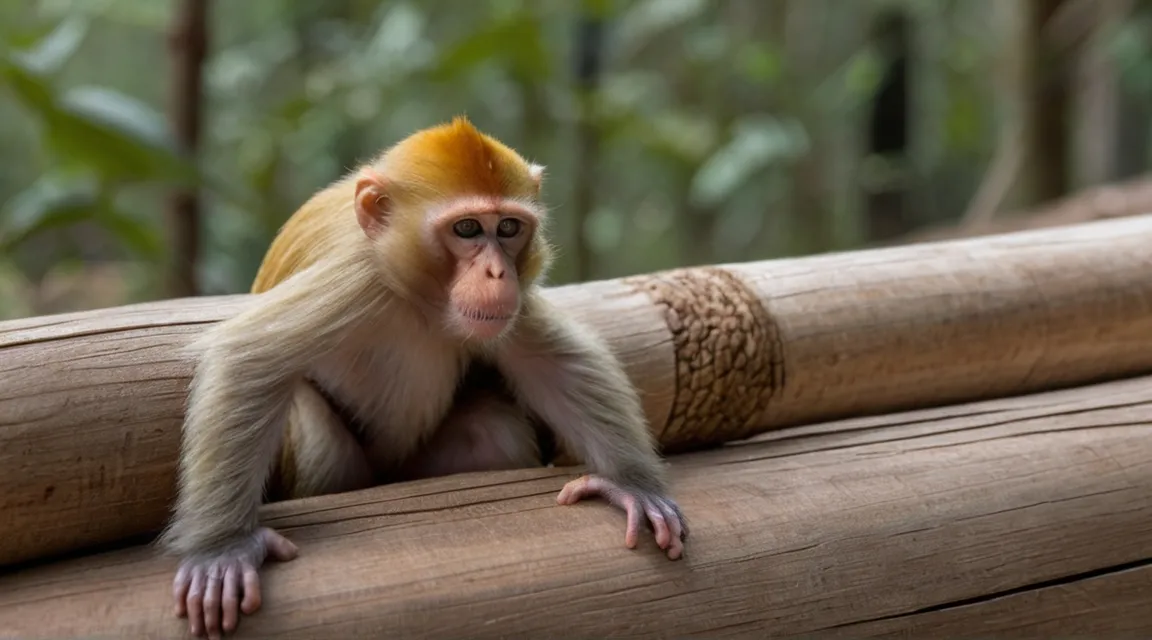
(937, 323)
(1114, 200)
(91, 403)
(1015, 517)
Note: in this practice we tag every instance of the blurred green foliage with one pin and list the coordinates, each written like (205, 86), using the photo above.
(727, 130)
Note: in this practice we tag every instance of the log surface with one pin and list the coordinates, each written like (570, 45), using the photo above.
(1021, 517)
(91, 403)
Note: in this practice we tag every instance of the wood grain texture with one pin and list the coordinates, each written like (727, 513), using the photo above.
(91, 403)
(1029, 516)
(937, 323)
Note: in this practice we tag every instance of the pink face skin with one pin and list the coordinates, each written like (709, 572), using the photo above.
(484, 237)
(481, 237)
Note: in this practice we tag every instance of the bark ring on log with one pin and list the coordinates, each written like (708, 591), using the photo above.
(91, 403)
(729, 358)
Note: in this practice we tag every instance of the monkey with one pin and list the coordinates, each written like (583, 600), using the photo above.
(378, 301)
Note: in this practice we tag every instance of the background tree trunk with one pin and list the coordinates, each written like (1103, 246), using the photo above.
(589, 60)
(188, 43)
(1098, 98)
(1046, 107)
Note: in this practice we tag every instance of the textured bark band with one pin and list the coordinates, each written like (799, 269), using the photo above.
(729, 359)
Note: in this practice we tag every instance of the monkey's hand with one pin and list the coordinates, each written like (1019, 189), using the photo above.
(663, 513)
(208, 588)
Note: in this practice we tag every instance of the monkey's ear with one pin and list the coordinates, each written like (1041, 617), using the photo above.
(372, 203)
(536, 172)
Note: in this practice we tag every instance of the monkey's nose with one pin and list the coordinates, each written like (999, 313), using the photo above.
(495, 271)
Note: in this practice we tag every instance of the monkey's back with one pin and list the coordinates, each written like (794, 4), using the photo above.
(313, 230)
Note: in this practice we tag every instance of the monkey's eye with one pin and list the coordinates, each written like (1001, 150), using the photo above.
(508, 227)
(467, 228)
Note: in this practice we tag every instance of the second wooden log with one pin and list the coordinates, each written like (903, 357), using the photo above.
(91, 403)
(1022, 517)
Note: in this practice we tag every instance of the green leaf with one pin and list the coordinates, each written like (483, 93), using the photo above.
(646, 20)
(58, 200)
(111, 109)
(138, 13)
(36, 94)
(98, 129)
(761, 63)
(50, 54)
(142, 239)
(685, 138)
(515, 41)
(400, 31)
(756, 143)
(53, 201)
(597, 9)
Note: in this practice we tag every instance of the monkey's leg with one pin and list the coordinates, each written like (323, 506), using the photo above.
(485, 431)
(320, 455)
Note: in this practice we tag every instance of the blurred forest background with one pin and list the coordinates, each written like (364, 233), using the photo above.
(152, 148)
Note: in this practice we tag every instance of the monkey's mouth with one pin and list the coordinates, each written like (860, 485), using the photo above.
(483, 325)
(475, 315)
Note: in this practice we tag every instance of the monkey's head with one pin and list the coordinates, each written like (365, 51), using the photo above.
(457, 219)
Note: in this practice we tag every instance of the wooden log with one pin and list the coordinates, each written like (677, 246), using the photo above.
(1115, 200)
(1027, 516)
(91, 403)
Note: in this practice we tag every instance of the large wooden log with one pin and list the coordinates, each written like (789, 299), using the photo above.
(91, 403)
(1014, 517)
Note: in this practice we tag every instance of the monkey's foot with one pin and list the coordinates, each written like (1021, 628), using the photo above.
(662, 513)
(212, 589)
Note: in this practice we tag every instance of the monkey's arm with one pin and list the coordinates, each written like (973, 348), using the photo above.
(240, 394)
(567, 376)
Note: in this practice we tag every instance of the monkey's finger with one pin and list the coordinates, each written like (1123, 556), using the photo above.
(659, 524)
(672, 508)
(635, 518)
(212, 590)
(196, 603)
(574, 491)
(251, 600)
(230, 600)
(675, 547)
(180, 586)
(279, 547)
(675, 522)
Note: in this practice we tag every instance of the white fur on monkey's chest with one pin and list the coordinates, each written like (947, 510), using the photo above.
(399, 391)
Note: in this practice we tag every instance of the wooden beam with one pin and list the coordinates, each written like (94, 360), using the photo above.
(91, 403)
(1027, 516)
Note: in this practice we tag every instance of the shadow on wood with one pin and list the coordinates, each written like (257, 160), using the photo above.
(1024, 516)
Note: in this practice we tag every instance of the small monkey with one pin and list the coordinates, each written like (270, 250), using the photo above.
(375, 301)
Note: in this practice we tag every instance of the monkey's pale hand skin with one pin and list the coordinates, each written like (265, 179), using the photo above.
(212, 590)
(662, 512)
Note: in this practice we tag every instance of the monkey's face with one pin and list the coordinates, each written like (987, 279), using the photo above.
(485, 246)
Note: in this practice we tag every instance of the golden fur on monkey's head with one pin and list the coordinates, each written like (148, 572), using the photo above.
(433, 165)
(456, 158)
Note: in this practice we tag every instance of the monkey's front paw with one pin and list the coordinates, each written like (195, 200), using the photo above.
(663, 513)
(208, 588)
